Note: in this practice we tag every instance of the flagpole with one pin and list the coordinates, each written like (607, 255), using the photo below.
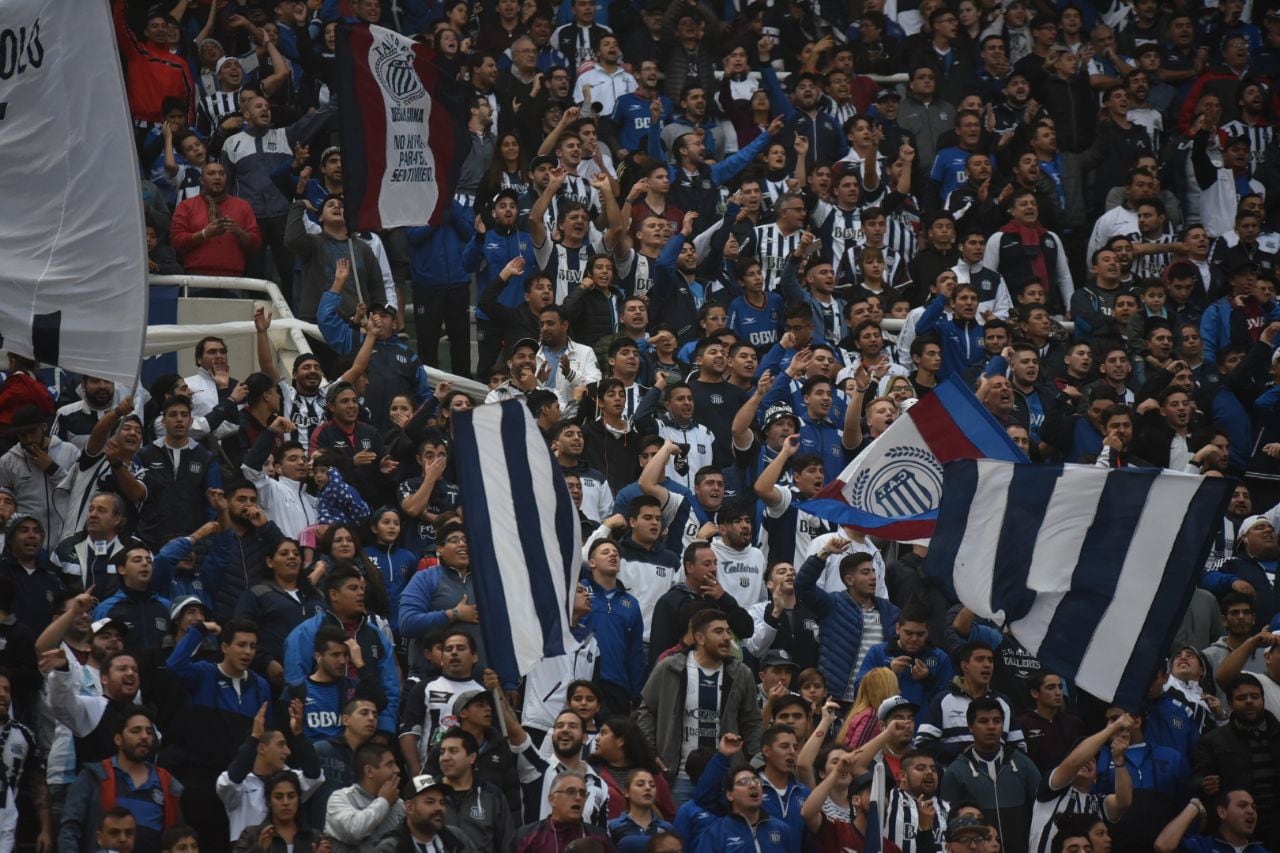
(355, 271)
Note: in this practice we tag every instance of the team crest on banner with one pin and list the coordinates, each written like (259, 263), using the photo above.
(908, 482)
(393, 66)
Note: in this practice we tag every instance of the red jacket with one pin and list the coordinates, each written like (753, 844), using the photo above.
(221, 255)
(151, 73)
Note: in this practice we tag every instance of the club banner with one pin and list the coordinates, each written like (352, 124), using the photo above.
(400, 141)
(73, 250)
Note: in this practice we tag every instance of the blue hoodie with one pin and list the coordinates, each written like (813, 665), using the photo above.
(435, 251)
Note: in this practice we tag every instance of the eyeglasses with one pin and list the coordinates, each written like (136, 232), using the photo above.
(746, 782)
(456, 539)
(973, 842)
(572, 792)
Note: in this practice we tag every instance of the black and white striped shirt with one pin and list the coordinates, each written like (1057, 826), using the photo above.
(1259, 138)
(216, 106)
(902, 821)
(772, 248)
(1152, 266)
(1050, 803)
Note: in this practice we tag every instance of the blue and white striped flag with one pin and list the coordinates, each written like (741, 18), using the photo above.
(1091, 569)
(523, 534)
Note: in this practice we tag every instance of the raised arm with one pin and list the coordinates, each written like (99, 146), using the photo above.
(766, 485)
(745, 417)
(266, 359)
(538, 230)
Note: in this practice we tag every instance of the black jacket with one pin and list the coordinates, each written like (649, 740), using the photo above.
(666, 630)
(276, 613)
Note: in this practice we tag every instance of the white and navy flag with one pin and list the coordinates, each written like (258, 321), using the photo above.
(73, 249)
(1091, 569)
(523, 534)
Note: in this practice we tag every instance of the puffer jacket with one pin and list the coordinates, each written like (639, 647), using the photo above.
(839, 620)
(435, 252)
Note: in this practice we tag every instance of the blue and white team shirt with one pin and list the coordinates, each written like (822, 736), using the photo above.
(741, 573)
(632, 116)
(787, 531)
(759, 327)
(700, 721)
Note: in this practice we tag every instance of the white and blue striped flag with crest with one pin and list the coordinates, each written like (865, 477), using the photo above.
(523, 534)
(1091, 569)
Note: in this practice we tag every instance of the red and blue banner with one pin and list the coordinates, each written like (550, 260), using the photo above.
(893, 488)
(401, 144)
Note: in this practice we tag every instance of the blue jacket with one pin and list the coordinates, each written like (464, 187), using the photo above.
(168, 582)
(840, 619)
(492, 251)
(919, 692)
(396, 564)
(435, 251)
(827, 142)
(628, 837)
(619, 629)
(732, 832)
(1215, 325)
(961, 344)
(1244, 568)
(216, 706)
(708, 794)
(146, 614)
(376, 647)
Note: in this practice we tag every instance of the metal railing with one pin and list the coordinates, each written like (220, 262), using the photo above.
(171, 337)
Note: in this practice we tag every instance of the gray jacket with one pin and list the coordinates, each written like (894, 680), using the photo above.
(319, 254)
(927, 122)
(35, 490)
(662, 712)
(357, 820)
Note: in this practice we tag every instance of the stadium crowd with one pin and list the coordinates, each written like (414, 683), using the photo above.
(238, 614)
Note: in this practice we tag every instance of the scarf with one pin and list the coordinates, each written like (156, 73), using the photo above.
(1031, 237)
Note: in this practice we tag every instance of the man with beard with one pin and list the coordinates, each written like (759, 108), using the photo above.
(539, 772)
(129, 778)
(92, 719)
(429, 704)
(214, 233)
(34, 580)
(424, 822)
(1243, 753)
(477, 809)
(1239, 621)
(675, 723)
(1237, 821)
(302, 398)
(239, 552)
(75, 421)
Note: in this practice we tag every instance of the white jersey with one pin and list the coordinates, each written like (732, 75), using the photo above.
(829, 580)
(699, 441)
(741, 573)
(545, 685)
(1050, 803)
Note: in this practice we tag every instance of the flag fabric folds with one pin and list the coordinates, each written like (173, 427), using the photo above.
(400, 143)
(892, 488)
(1091, 569)
(73, 250)
(523, 535)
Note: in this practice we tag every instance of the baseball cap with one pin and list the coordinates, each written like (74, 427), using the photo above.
(217, 66)
(541, 160)
(525, 342)
(1248, 524)
(1235, 139)
(182, 604)
(1242, 265)
(108, 622)
(422, 783)
(965, 826)
(385, 308)
(303, 358)
(505, 192)
(1273, 15)
(885, 94)
(892, 704)
(779, 657)
(329, 152)
(465, 698)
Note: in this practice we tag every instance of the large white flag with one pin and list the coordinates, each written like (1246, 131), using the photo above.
(73, 255)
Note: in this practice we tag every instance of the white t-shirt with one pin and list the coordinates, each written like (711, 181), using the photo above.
(741, 573)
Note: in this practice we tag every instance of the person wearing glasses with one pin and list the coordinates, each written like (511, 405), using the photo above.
(564, 825)
(746, 824)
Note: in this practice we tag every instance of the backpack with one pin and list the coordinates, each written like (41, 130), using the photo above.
(171, 814)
